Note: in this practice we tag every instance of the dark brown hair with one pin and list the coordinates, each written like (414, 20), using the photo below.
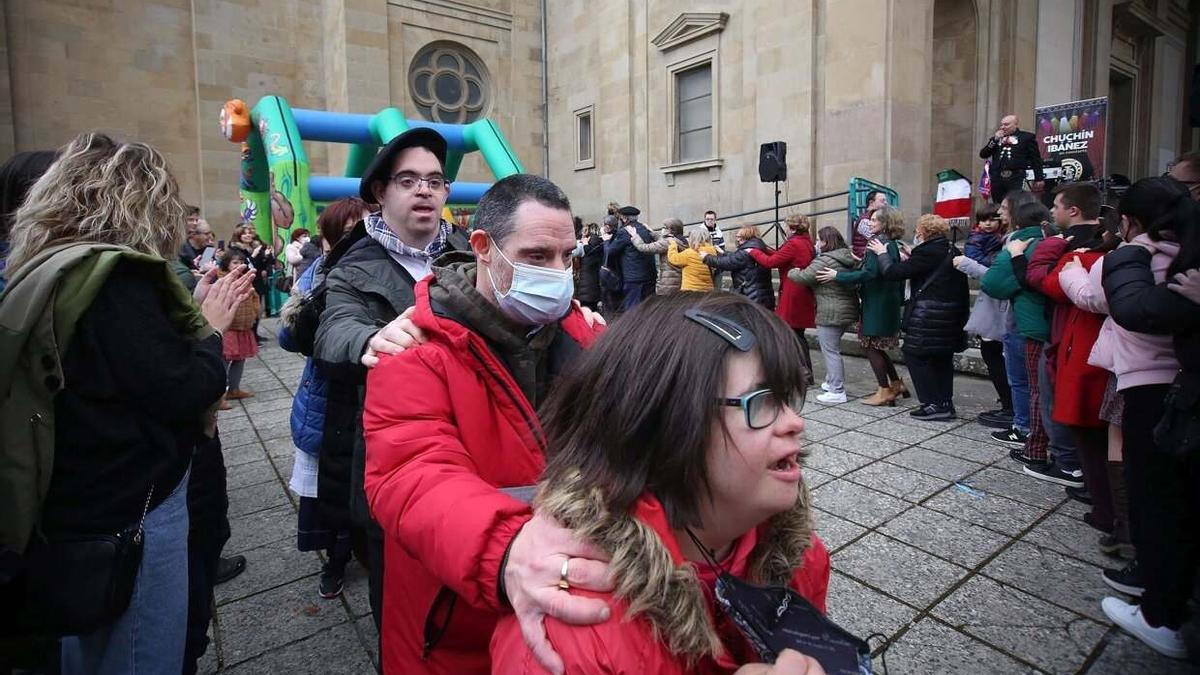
(1083, 196)
(831, 239)
(624, 430)
(332, 221)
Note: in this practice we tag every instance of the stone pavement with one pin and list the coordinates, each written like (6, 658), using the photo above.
(938, 542)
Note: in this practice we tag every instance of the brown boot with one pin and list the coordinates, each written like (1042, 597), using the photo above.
(898, 388)
(224, 405)
(884, 396)
(236, 394)
(1120, 498)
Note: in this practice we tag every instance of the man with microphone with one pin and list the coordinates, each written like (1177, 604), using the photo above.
(1012, 152)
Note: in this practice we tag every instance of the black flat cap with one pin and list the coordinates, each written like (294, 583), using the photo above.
(381, 167)
(628, 211)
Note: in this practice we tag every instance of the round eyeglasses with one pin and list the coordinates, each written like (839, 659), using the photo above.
(410, 182)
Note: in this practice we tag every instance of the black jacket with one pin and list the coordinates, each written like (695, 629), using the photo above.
(936, 313)
(1024, 155)
(365, 290)
(589, 270)
(749, 278)
(132, 413)
(1136, 303)
(636, 267)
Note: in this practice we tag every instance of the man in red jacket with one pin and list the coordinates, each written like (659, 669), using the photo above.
(451, 422)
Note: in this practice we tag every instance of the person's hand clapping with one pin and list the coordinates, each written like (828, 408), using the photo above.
(222, 297)
(790, 662)
(399, 334)
(531, 581)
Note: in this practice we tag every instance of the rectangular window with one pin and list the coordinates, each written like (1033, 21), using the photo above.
(693, 114)
(584, 139)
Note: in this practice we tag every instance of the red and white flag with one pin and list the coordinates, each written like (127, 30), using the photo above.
(953, 195)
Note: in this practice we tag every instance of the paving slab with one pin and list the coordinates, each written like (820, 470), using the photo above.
(336, 651)
(991, 511)
(897, 481)
(835, 532)
(966, 448)
(934, 463)
(259, 623)
(1018, 487)
(250, 473)
(1051, 576)
(905, 433)
(1126, 655)
(864, 611)
(270, 566)
(1073, 537)
(902, 571)
(856, 503)
(933, 648)
(1054, 639)
(857, 442)
(256, 529)
(833, 461)
(255, 498)
(947, 537)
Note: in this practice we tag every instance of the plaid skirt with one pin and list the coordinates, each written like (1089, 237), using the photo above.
(1112, 408)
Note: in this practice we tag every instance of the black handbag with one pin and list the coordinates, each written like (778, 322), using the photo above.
(74, 584)
(610, 279)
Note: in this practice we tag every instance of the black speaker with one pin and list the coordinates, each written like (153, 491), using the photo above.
(772, 162)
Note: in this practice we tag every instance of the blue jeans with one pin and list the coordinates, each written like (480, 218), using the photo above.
(149, 636)
(1018, 379)
(1062, 443)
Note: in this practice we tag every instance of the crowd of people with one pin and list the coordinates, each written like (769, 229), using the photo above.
(454, 425)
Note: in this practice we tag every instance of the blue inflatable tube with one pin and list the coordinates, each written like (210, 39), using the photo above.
(330, 188)
(334, 127)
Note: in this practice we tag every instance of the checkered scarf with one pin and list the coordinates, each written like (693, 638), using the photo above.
(380, 232)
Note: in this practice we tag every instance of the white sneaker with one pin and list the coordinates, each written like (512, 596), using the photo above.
(824, 386)
(1129, 617)
(832, 397)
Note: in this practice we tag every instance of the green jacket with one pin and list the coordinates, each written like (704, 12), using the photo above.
(39, 310)
(1029, 307)
(881, 299)
(837, 304)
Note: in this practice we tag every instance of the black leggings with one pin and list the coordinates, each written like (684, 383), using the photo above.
(993, 355)
(882, 366)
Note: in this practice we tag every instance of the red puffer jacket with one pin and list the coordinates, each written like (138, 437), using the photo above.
(445, 426)
(1078, 386)
(683, 607)
(797, 304)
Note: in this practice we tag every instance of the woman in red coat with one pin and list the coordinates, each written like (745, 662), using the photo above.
(1078, 386)
(705, 464)
(797, 304)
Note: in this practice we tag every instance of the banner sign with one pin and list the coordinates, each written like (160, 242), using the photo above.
(1071, 136)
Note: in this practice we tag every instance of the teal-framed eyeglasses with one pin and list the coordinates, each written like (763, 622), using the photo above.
(762, 407)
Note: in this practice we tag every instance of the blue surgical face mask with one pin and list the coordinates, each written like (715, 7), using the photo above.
(537, 295)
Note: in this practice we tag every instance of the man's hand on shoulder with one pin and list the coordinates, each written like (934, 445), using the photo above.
(400, 334)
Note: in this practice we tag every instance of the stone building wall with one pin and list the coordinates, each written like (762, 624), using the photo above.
(160, 70)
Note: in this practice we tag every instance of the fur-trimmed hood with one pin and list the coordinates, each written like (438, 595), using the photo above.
(650, 572)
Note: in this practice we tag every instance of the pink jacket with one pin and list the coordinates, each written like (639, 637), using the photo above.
(1137, 359)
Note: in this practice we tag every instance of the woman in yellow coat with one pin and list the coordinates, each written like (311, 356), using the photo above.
(696, 274)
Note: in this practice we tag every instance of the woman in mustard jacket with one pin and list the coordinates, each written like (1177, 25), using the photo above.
(696, 274)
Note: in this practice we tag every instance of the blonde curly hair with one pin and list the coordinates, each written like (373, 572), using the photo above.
(101, 191)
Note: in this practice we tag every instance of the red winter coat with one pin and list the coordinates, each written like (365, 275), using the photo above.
(625, 646)
(797, 304)
(1078, 386)
(445, 426)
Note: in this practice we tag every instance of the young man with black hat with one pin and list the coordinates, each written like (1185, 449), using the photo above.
(638, 270)
(368, 286)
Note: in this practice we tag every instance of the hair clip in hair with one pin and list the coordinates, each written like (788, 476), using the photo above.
(740, 338)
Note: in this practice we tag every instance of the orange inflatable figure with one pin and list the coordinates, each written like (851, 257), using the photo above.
(235, 120)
